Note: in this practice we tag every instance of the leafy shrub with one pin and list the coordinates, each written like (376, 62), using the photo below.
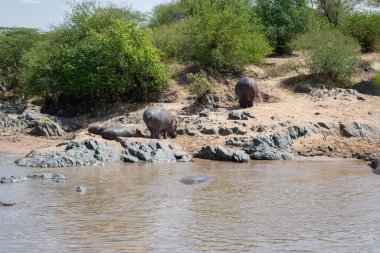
(169, 39)
(200, 84)
(224, 41)
(332, 56)
(283, 21)
(95, 53)
(14, 42)
(364, 27)
(168, 13)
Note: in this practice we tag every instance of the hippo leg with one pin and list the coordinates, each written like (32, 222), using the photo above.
(250, 103)
(165, 134)
(155, 133)
(243, 103)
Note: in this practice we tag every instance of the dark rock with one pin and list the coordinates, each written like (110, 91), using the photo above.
(69, 125)
(7, 124)
(303, 88)
(3, 88)
(220, 153)
(258, 128)
(56, 177)
(325, 125)
(47, 129)
(205, 113)
(359, 130)
(240, 156)
(338, 93)
(76, 153)
(275, 117)
(81, 189)
(224, 131)
(272, 147)
(239, 115)
(12, 179)
(7, 204)
(197, 179)
(152, 151)
(41, 124)
(330, 147)
(209, 131)
(284, 124)
(367, 87)
(274, 127)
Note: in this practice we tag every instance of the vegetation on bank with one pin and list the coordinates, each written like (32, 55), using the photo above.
(116, 52)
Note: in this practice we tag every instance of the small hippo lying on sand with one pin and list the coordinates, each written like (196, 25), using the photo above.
(159, 120)
(111, 133)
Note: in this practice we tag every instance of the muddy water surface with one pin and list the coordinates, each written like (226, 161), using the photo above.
(303, 206)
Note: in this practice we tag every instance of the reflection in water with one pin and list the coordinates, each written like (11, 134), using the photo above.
(303, 206)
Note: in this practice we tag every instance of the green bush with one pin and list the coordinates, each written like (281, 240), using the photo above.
(365, 27)
(168, 13)
(332, 56)
(14, 42)
(283, 21)
(169, 38)
(200, 84)
(95, 53)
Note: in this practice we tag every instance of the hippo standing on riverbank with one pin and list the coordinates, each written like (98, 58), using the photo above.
(246, 89)
(158, 120)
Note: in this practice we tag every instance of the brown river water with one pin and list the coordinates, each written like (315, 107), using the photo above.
(292, 206)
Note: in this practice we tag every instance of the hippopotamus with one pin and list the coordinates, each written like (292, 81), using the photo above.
(97, 129)
(375, 165)
(246, 89)
(112, 133)
(197, 179)
(158, 120)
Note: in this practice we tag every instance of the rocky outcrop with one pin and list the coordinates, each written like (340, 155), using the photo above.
(220, 153)
(359, 130)
(41, 124)
(303, 88)
(76, 153)
(12, 179)
(272, 147)
(338, 93)
(239, 115)
(55, 177)
(152, 151)
(230, 130)
(7, 124)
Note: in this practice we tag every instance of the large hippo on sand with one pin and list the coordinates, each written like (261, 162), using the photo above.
(158, 120)
(246, 89)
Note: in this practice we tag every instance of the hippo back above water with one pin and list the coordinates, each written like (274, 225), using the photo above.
(246, 89)
(158, 120)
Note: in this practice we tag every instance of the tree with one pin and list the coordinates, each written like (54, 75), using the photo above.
(283, 21)
(168, 13)
(14, 42)
(97, 51)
